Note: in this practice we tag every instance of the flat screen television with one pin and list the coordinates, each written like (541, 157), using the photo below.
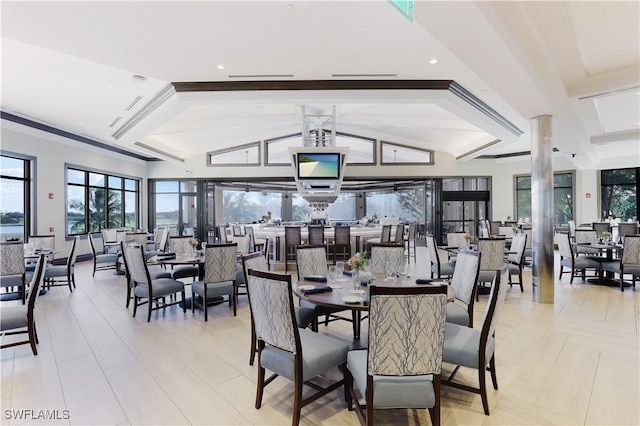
(318, 165)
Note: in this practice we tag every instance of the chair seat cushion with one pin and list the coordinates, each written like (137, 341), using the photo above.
(457, 314)
(514, 269)
(581, 262)
(615, 267)
(461, 345)
(486, 276)
(445, 269)
(319, 353)
(13, 317)
(392, 391)
(156, 274)
(107, 258)
(161, 287)
(320, 310)
(56, 271)
(11, 281)
(304, 316)
(213, 289)
(184, 272)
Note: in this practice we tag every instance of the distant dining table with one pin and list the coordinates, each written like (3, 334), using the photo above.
(342, 294)
(608, 249)
(181, 260)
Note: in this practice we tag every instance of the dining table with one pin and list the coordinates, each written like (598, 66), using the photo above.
(343, 294)
(607, 249)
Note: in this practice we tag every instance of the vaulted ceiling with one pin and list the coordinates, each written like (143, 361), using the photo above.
(112, 72)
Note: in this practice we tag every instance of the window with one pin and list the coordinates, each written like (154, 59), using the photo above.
(97, 200)
(15, 186)
(407, 204)
(250, 206)
(619, 193)
(245, 155)
(276, 150)
(563, 197)
(393, 153)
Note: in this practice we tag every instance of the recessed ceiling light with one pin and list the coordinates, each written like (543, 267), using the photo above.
(220, 67)
(433, 61)
(111, 83)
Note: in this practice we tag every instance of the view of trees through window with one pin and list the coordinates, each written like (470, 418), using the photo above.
(96, 201)
(562, 198)
(619, 189)
(14, 197)
(407, 204)
(250, 206)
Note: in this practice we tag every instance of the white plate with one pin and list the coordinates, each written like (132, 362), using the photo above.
(306, 287)
(357, 291)
(352, 299)
(343, 279)
(335, 286)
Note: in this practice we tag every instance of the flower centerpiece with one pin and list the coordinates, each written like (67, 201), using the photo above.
(467, 237)
(605, 236)
(193, 242)
(357, 262)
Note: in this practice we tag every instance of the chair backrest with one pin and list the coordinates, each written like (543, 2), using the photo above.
(248, 230)
(180, 244)
(162, 237)
(564, 245)
(37, 281)
(492, 250)
(495, 227)
(121, 235)
(244, 243)
(518, 244)
(572, 228)
(220, 262)
(529, 233)
(465, 276)
(173, 230)
(42, 242)
(626, 228)
(457, 239)
(292, 236)
(389, 254)
(631, 250)
(271, 303)
(505, 230)
(399, 237)
(601, 227)
(413, 228)
(311, 260)
(253, 261)
(237, 230)
(92, 244)
(316, 235)
(483, 227)
(188, 231)
(12, 258)
(493, 310)
(433, 250)
(108, 235)
(73, 253)
(398, 312)
(385, 234)
(342, 235)
(586, 236)
(139, 238)
(222, 234)
(136, 263)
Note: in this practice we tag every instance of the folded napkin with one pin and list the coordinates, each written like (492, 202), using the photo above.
(316, 279)
(429, 281)
(318, 290)
(583, 244)
(166, 255)
(350, 273)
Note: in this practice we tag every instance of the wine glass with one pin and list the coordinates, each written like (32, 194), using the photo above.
(339, 268)
(333, 273)
(355, 277)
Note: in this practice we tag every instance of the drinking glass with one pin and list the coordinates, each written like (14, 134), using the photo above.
(333, 273)
(392, 273)
(339, 268)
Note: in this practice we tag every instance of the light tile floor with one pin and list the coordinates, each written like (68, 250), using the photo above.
(573, 362)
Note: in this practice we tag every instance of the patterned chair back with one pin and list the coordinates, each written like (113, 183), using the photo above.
(626, 228)
(383, 255)
(253, 261)
(311, 260)
(108, 235)
(244, 243)
(12, 258)
(492, 250)
(518, 244)
(271, 302)
(136, 263)
(631, 250)
(342, 235)
(601, 227)
(180, 245)
(465, 275)
(173, 230)
(316, 235)
(385, 234)
(139, 238)
(394, 314)
(507, 231)
(457, 239)
(433, 250)
(42, 242)
(399, 237)
(220, 263)
(564, 245)
(494, 227)
(586, 236)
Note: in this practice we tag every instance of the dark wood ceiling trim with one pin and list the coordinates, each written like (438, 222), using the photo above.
(509, 155)
(72, 136)
(238, 86)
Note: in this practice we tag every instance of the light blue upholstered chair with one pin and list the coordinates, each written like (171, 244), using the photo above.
(402, 366)
(147, 290)
(492, 260)
(180, 246)
(101, 261)
(20, 319)
(465, 284)
(475, 348)
(219, 277)
(63, 275)
(438, 269)
(285, 349)
(577, 264)
(12, 268)
(153, 274)
(515, 259)
(629, 262)
(387, 255)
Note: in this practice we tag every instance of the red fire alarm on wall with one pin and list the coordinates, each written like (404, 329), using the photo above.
(588, 195)
(51, 195)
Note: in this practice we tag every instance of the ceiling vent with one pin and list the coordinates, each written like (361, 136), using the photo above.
(363, 75)
(114, 122)
(260, 75)
(608, 92)
(132, 104)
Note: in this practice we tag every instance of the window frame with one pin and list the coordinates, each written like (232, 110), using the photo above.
(234, 149)
(406, 163)
(29, 188)
(572, 173)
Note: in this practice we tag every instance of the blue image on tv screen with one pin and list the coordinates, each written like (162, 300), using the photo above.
(318, 165)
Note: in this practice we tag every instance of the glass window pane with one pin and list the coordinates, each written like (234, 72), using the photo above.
(301, 211)
(187, 186)
(563, 205)
(452, 184)
(249, 207)
(115, 208)
(619, 176)
(523, 204)
(406, 205)
(277, 150)
(523, 182)
(344, 207)
(130, 216)
(96, 179)
(392, 154)
(11, 208)
(621, 201)
(131, 185)
(97, 210)
(75, 176)
(563, 180)
(361, 151)
(246, 155)
(483, 184)
(76, 211)
(115, 182)
(470, 185)
(11, 166)
(167, 207)
(167, 186)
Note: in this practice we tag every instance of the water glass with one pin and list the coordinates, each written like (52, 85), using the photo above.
(333, 273)
(339, 268)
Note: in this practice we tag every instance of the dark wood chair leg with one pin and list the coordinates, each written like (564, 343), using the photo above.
(252, 356)
(494, 377)
(150, 309)
(483, 389)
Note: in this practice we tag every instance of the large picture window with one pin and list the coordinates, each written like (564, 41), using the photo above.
(97, 200)
(407, 204)
(619, 193)
(563, 196)
(15, 186)
(250, 206)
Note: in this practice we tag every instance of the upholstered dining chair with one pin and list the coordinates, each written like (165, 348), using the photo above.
(577, 264)
(341, 243)
(399, 234)
(147, 290)
(475, 347)
(438, 269)
(304, 316)
(222, 234)
(20, 319)
(108, 236)
(627, 228)
(41, 242)
(292, 239)
(219, 277)
(465, 284)
(244, 243)
(402, 365)
(515, 259)
(410, 242)
(629, 262)
(153, 274)
(63, 275)
(12, 268)
(384, 255)
(285, 349)
(312, 262)
(583, 239)
(456, 240)
(180, 245)
(255, 244)
(101, 261)
(492, 260)
(601, 227)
